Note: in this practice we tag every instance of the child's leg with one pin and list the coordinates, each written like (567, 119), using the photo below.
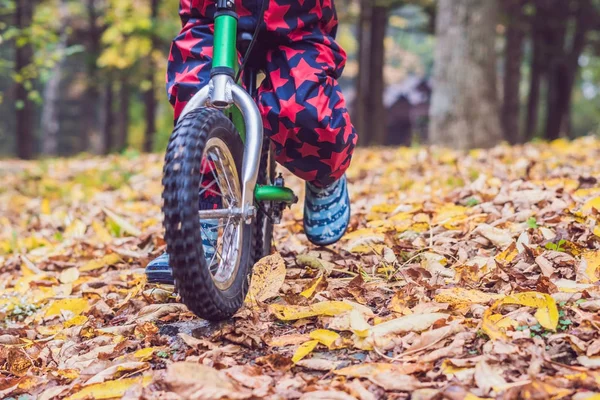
(303, 108)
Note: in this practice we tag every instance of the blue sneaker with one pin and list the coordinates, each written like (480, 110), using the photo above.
(159, 271)
(327, 212)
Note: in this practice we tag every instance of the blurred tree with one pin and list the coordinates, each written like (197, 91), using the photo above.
(50, 122)
(464, 109)
(150, 92)
(516, 29)
(369, 99)
(24, 75)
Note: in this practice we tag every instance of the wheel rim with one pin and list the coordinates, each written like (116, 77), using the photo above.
(224, 234)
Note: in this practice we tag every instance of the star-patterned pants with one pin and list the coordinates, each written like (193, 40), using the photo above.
(303, 109)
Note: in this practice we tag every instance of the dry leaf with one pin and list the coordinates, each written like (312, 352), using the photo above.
(267, 277)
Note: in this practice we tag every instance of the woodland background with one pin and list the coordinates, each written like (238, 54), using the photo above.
(88, 76)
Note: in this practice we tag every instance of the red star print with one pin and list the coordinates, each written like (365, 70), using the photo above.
(304, 72)
(275, 16)
(189, 76)
(317, 10)
(325, 54)
(291, 52)
(205, 6)
(309, 150)
(327, 134)
(298, 34)
(336, 160)
(187, 44)
(309, 176)
(337, 174)
(321, 103)
(290, 108)
(242, 11)
(276, 80)
(281, 136)
(179, 106)
(186, 6)
(347, 132)
(283, 158)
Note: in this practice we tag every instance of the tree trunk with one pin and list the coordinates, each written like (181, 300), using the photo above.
(123, 113)
(584, 24)
(109, 117)
(369, 108)
(24, 108)
(534, 86)
(50, 122)
(92, 140)
(554, 39)
(150, 94)
(464, 109)
(377, 111)
(515, 33)
(364, 64)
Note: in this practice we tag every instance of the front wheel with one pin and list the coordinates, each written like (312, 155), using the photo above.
(211, 259)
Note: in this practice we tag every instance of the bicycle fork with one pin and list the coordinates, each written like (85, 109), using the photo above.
(222, 92)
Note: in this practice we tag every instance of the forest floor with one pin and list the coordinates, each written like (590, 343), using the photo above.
(463, 276)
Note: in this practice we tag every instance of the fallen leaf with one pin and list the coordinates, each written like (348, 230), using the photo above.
(122, 223)
(460, 296)
(290, 313)
(105, 261)
(325, 337)
(268, 275)
(69, 275)
(193, 381)
(109, 389)
(304, 349)
(74, 306)
(118, 369)
(310, 290)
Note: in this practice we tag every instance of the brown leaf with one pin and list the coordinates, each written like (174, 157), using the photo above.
(194, 381)
(18, 362)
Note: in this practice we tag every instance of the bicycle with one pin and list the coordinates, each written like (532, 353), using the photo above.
(221, 125)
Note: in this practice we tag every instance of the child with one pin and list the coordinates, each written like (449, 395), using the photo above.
(303, 109)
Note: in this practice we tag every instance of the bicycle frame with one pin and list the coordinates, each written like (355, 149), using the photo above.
(223, 92)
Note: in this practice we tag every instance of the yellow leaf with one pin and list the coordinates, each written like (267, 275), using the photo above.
(508, 254)
(267, 277)
(597, 230)
(46, 207)
(69, 275)
(290, 313)
(367, 249)
(75, 306)
(311, 290)
(107, 260)
(76, 229)
(370, 369)
(461, 296)
(68, 374)
(109, 389)
(546, 313)
(470, 396)
(76, 321)
(145, 354)
(122, 223)
(325, 337)
(101, 232)
(49, 330)
(304, 349)
(590, 204)
(592, 266)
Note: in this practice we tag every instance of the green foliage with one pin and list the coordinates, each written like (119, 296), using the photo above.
(532, 223)
(556, 246)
